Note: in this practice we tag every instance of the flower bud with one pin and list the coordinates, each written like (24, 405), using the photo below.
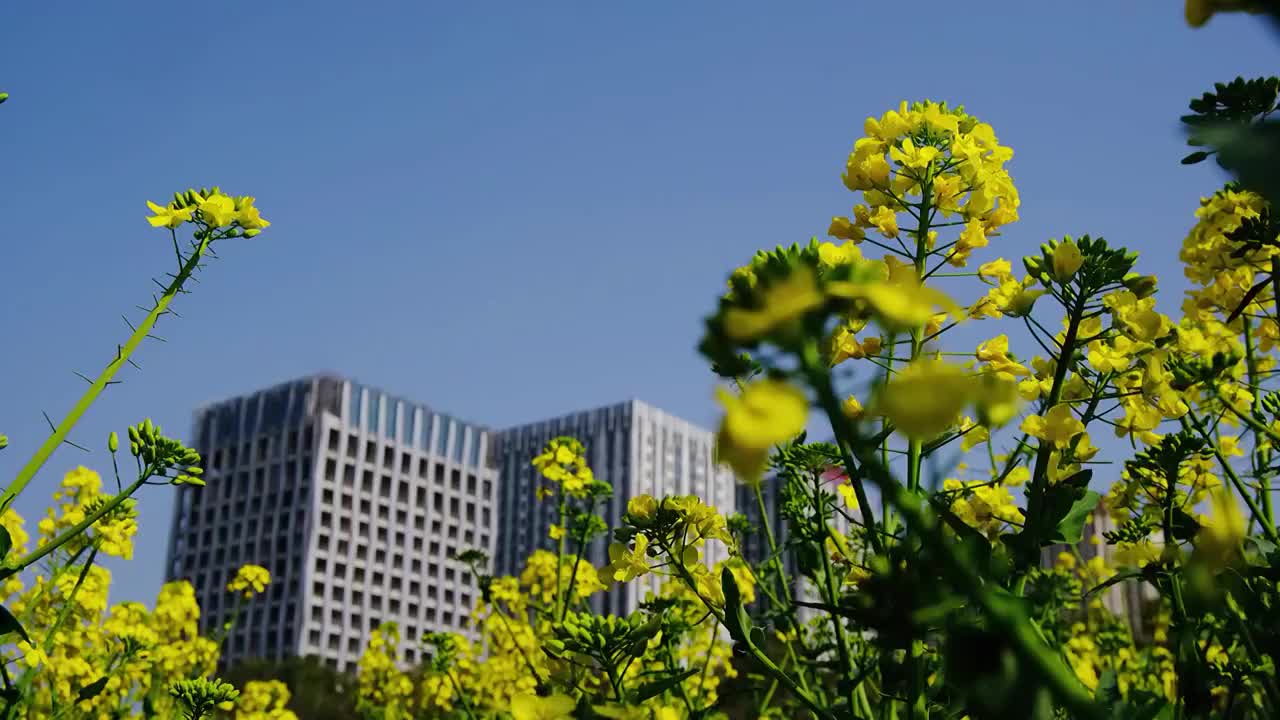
(1067, 259)
(3, 96)
(251, 232)
(4, 441)
(134, 437)
(133, 449)
(113, 442)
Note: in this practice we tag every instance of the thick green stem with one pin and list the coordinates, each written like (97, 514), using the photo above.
(1039, 481)
(123, 353)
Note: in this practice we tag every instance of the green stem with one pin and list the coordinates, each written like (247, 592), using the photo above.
(1036, 487)
(75, 530)
(842, 642)
(1190, 419)
(1003, 615)
(123, 353)
(820, 378)
(1260, 459)
(573, 574)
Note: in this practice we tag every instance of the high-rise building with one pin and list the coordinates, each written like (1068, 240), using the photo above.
(636, 448)
(355, 500)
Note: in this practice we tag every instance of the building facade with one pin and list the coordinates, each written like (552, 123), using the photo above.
(355, 500)
(636, 448)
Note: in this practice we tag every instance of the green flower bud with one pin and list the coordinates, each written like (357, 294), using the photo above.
(113, 441)
(133, 449)
(252, 232)
(134, 437)
(3, 96)
(4, 441)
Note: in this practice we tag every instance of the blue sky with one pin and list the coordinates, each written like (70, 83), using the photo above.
(514, 210)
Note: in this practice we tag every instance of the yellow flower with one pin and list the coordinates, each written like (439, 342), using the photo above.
(1057, 426)
(248, 216)
(885, 221)
(766, 413)
(785, 301)
(250, 579)
(642, 508)
(996, 352)
(556, 532)
(852, 408)
(625, 564)
(532, 707)
(842, 228)
(218, 210)
(925, 398)
(1220, 534)
(914, 157)
(998, 270)
(167, 216)
(901, 302)
(1067, 259)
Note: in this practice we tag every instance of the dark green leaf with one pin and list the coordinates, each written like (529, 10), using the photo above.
(6, 543)
(1070, 528)
(1251, 152)
(1185, 527)
(10, 624)
(92, 690)
(1195, 157)
(657, 687)
(736, 620)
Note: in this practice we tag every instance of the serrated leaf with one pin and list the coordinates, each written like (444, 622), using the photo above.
(10, 624)
(1070, 529)
(92, 690)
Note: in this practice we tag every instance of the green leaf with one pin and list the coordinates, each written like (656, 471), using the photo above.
(736, 620)
(1195, 157)
(657, 687)
(1114, 579)
(10, 624)
(92, 690)
(6, 543)
(1070, 528)
(1251, 152)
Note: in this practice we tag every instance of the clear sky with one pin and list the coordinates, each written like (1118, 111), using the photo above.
(513, 210)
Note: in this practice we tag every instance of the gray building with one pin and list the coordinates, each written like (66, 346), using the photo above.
(355, 500)
(635, 447)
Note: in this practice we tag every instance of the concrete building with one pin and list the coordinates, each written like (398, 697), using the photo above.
(355, 500)
(635, 447)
